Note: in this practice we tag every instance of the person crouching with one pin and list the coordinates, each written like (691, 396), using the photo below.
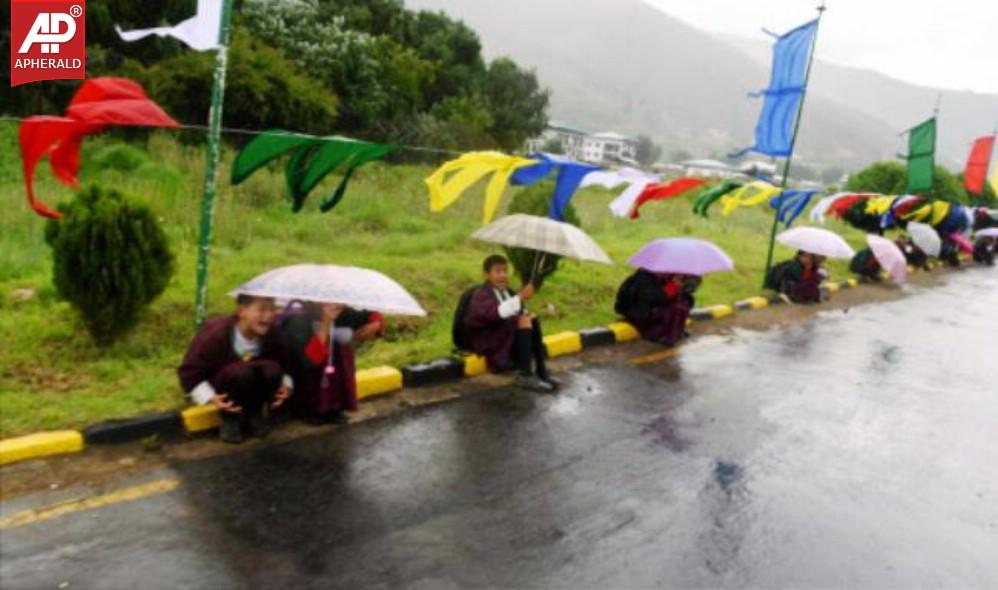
(798, 279)
(657, 304)
(239, 364)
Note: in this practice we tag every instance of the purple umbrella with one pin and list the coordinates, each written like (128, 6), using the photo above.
(686, 256)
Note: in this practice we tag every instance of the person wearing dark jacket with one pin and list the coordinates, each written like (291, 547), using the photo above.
(913, 255)
(984, 250)
(239, 364)
(657, 304)
(499, 327)
(320, 339)
(799, 278)
(866, 265)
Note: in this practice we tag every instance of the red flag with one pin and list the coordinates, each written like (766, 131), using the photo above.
(667, 190)
(99, 102)
(977, 164)
(841, 205)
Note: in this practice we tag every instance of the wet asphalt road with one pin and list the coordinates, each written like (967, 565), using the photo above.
(858, 450)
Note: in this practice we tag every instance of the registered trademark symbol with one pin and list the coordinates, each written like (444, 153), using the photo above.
(76, 10)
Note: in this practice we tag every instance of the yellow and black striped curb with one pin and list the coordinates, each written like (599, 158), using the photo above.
(370, 383)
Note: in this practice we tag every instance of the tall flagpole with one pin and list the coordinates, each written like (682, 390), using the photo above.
(793, 140)
(211, 165)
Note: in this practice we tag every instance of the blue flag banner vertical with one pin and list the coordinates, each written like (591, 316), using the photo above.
(775, 129)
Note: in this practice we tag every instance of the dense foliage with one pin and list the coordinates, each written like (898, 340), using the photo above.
(536, 200)
(891, 178)
(111, 259)
(368, 68)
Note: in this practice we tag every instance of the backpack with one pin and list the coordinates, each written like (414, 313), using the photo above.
(458, 331)
(774, 280)
(625, 296)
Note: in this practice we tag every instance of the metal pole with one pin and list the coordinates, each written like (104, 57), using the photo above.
(793, 141)
(211, 164)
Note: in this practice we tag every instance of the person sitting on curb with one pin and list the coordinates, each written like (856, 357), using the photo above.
(866, 265)
(491, 321)
(326, 379)
(657, 304)
(913, 255)
(239, 364)
(984, 250)
(798, 279)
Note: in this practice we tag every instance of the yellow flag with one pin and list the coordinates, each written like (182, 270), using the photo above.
(449, 182)
(749, 195)
(878, 205)
(940, 209)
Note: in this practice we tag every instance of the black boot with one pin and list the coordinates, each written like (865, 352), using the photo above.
(259, 425)
(230, 430)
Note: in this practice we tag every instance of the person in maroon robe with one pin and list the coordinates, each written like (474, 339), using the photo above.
(497, 326)
(799, 279)
(320, 338)
(239, 364)
(657, 304)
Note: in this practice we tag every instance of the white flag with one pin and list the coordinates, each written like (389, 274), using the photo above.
(200, 32)
(636, 181)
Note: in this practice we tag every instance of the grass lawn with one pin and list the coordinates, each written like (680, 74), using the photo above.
(52, 376)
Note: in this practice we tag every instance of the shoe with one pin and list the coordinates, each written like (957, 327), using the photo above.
(533, 383)
(230, 431)
(260, 426)
(556, 383)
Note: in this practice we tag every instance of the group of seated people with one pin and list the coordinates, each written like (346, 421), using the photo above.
(252, 363)
(249, 364)
(865, 264)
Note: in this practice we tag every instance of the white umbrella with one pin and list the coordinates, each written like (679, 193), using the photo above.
(544, 235)
(327, 283)
(991, 232)
(925, 238)
(815, 240)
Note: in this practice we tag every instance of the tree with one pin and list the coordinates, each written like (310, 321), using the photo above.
(517, 102)
(553, 146)
(891, 178)
(111, 259)
(263, 88)
(648, 152)
(536, 200)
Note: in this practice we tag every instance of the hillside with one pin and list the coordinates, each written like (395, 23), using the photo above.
(628, 66)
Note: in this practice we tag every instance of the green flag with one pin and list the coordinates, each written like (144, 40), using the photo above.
(921, 156)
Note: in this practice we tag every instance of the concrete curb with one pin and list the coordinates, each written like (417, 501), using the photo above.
(370, 383)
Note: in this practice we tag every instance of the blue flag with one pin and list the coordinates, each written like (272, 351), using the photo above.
(570, 175)
(791, 203)
(775, 129)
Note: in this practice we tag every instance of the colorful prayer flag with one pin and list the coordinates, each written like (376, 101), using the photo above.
(774, 131)
(978, 162)
(921, 156)
(667, 190)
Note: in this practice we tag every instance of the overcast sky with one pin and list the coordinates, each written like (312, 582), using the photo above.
(944, 43)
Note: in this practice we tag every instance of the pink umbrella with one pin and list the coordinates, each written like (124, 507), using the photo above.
(890, 257)
(991, 232)
(962, 242)
(687, 256)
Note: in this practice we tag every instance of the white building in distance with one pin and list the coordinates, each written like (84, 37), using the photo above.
(597, 148)
(571, 140)
(609, 148)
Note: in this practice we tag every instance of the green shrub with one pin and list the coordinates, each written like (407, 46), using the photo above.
(120, 157)
(111, 259)
(536, 200)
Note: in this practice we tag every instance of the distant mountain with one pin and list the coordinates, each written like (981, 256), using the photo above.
(963, 115)
(623, 65)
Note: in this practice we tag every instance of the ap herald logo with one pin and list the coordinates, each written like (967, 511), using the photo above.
(47, 40)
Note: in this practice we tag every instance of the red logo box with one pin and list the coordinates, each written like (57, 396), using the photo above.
(48, 40)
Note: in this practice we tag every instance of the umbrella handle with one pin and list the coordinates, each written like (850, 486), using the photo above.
(537, 266)
(330, 368)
